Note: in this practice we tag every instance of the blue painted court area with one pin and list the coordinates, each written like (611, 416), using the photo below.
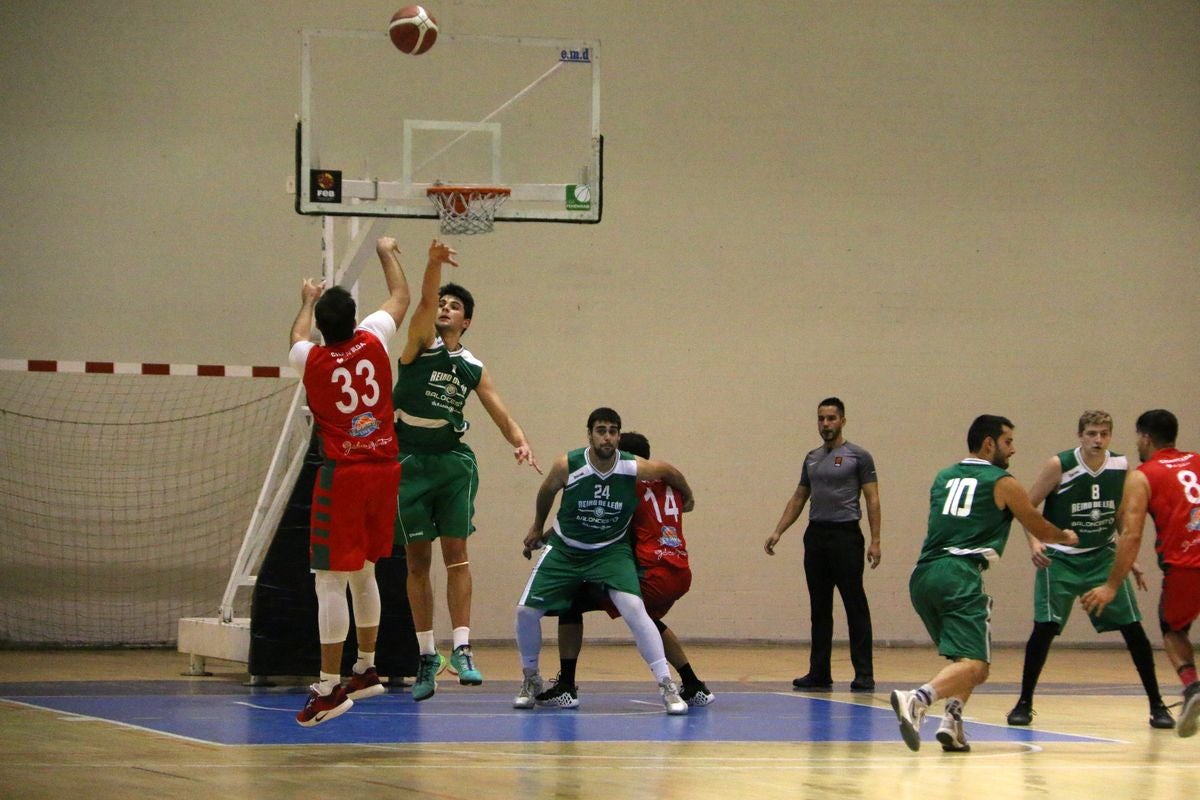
(617, 713)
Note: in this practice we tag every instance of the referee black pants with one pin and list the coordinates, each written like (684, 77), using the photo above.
(834, 556)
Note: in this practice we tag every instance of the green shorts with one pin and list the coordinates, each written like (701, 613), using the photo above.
(1058, 586)
(561, 571)
(949, 598)
(437, 495)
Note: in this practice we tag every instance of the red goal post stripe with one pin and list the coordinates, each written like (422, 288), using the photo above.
(119, 368)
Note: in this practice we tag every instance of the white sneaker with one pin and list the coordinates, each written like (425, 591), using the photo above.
(1189, 715)
(670, 696)
(911, 714)
(531, 687)
(950, 733)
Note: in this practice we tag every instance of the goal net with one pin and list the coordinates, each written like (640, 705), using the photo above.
(124, 499)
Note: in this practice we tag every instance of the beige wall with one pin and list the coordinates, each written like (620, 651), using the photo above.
(931, 209)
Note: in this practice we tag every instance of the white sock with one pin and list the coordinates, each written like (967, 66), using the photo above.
(462, 637)
(366, 660)
(926, 695)
(426, 643)
(329, 680)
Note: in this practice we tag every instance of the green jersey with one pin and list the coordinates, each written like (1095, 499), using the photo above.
(1086, 501)
(963, 518)
(596, 507)
(429, 397)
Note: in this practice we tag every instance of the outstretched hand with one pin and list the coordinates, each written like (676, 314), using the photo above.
(524, 454)
(441, 253)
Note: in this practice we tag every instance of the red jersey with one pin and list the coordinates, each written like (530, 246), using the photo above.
(1174, 477)
(658, 526)
(349, 388)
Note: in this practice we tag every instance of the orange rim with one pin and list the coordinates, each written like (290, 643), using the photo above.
(482, 191)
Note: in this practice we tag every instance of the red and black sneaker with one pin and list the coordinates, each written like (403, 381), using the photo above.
(360, 687)
(323, 707)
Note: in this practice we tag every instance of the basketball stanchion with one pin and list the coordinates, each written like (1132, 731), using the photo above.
(467, 209)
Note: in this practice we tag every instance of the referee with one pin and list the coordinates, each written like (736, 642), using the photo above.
(833, 476)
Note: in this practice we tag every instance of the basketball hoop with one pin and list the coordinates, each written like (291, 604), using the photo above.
(467, 209)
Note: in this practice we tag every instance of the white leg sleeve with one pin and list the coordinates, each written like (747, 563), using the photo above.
(364, 591)
(333, 612)
(529, 636)
(649, 642)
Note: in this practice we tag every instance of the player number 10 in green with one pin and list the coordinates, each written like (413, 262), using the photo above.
(960, 493)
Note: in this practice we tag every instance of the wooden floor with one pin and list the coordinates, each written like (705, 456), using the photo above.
(49, 754)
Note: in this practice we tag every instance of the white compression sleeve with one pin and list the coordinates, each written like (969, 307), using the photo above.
(649, 642)
(529, 636)
(333, 612)
(364, 591)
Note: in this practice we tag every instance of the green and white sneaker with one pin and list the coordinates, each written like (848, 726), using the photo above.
(426, 684)
(462, 664)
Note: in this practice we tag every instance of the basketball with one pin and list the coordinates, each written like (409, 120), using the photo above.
(413, 30)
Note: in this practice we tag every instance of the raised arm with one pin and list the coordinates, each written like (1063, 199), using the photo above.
(1135, 500)
(1045, 483)
(791, 513)
(512, 432)
(554, 482)
(421, 331)
(1011, 495)
(393, 274)
(651, 470)
(310, 292)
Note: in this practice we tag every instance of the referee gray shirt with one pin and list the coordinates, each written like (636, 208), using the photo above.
(834, 479)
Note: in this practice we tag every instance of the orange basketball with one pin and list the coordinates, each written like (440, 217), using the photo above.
(413, 30)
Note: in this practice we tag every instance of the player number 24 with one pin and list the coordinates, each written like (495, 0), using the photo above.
(349, 404)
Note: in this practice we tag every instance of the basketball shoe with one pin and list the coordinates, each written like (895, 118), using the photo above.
(1160, 717)
(462, 664)
(697, 695)
(1022, 713)
(559, 695)
(950, 733)
(360, 687)
(426, 683)
(911, 714)
(323, 707)
(1189, 715)
(670, 697)
(531, 687)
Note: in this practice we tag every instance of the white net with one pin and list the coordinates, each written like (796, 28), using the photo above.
(468, 209)
(124, 499)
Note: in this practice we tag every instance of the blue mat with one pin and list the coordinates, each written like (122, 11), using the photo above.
(618, 713)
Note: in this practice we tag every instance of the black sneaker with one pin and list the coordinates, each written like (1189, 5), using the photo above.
(1160, 717)
(862, 685)
(811, 684)
(559, 695)
(1022, 713)
(697, 694)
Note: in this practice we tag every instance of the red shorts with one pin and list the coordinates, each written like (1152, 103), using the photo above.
(1180, 602)
(353, 508)
(661, 587)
